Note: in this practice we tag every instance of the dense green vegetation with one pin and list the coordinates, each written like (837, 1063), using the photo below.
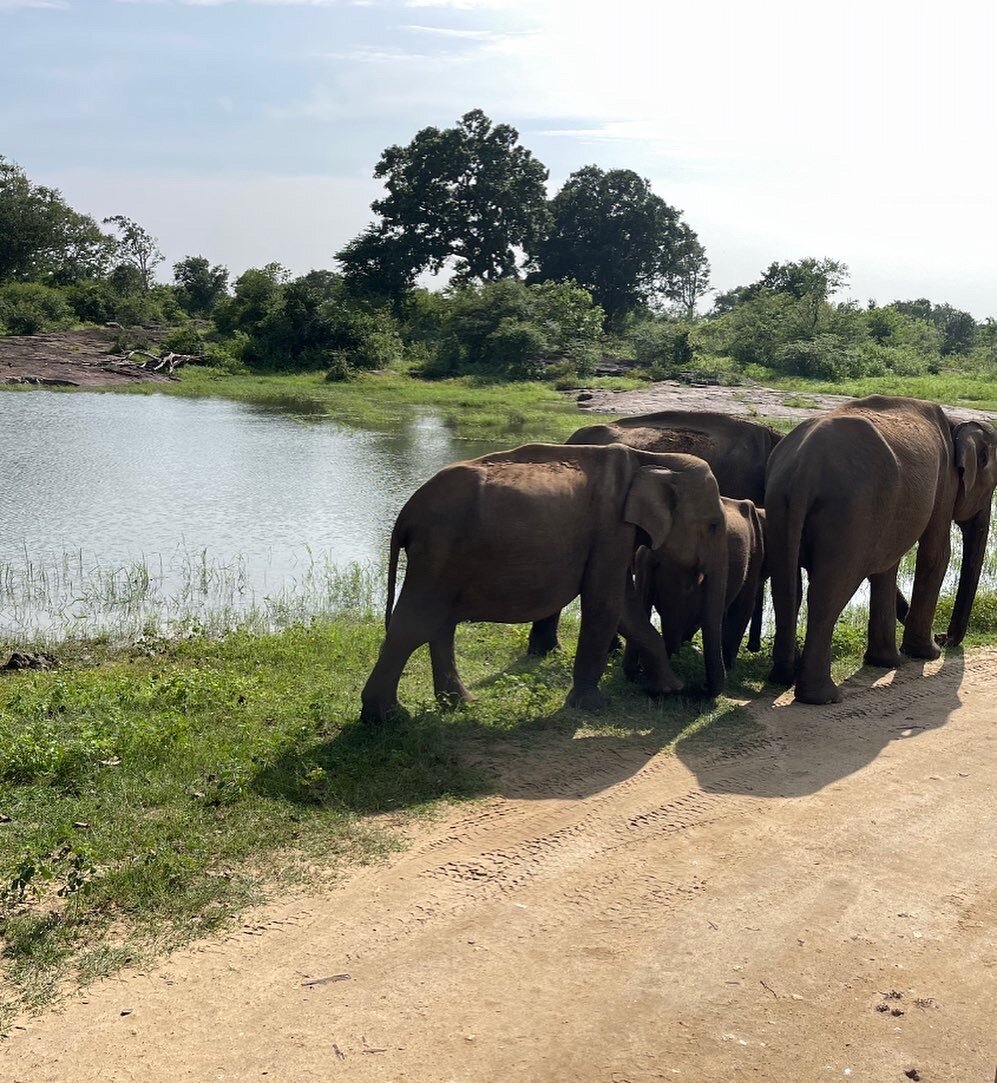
(541, 289)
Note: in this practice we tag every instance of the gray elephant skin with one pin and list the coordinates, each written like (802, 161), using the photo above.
(516, 535)
(848, 494)
(736, 450)
(680, 595)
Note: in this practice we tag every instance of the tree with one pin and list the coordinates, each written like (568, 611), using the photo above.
(810, 281)
(957, 328)
(690, 276)
(136, 247)
(469, 194)
(611, 234)
(199, 286)
(42, 238)
(379, 263)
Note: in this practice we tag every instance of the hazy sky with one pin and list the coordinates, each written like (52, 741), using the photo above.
(247, 130)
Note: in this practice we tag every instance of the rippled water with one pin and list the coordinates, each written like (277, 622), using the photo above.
(125, 513)
(169, 507)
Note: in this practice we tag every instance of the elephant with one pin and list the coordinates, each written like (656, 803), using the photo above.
(679, 592)
(512, 536)
(847, 495)
(735, 450)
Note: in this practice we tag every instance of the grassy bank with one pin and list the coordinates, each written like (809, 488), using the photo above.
(149, 795)
(474, 409)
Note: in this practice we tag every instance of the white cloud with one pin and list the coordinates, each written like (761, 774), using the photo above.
(11, 5)
(457, 32)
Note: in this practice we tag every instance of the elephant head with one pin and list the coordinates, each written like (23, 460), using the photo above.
(975, 454)
(680, 512)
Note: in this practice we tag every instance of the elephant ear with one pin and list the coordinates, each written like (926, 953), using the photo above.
(968, 449)
(650, 503)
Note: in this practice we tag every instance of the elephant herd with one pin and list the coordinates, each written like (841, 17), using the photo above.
(665, 511)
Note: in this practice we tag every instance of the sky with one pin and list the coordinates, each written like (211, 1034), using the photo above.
(247, 131)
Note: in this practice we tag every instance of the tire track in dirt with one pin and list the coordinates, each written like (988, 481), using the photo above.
(734, 907)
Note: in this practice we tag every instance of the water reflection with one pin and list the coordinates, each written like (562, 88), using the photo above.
(267, 493)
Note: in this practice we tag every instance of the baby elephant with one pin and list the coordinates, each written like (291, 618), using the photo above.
(678, 591)
(514, 536)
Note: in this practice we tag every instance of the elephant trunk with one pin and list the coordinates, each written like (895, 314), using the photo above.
(713, 619)
(974, 545)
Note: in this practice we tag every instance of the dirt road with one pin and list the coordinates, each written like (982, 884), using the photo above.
(748, 400)
(811, 897)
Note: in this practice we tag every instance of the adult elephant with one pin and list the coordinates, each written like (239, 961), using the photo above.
(848, 494)
(515, 535)
(681, 593)
(736, 451)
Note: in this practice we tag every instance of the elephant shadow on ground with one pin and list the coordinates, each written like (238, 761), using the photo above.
(794, 750)
(432, 754)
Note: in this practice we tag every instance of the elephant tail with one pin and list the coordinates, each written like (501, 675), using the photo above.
(396, 545)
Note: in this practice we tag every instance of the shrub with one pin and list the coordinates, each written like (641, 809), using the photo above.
(26, 308)
(823, 358)
(516, 347)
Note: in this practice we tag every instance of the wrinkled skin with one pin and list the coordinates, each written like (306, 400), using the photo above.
(848, 494)
(682, 594)
(515, 535)
(735, 450)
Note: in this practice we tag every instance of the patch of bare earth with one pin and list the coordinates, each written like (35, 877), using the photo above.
(811, 896)
(70, 359)
(742, 401)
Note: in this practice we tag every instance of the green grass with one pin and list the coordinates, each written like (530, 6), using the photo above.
(474, 409)
(149, 795)
(949, 388)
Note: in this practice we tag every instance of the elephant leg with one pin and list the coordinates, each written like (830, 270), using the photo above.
(600, 619)
(785, 650)
(757, 613)
(739, 613)
(829, 592)
(631, 662)
(933, 552)
(411, 625)
(660, 678)
(543, 636)
(882, 648)
(447, 685)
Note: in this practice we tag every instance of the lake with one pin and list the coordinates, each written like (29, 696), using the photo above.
(120, 510)
(124, 514)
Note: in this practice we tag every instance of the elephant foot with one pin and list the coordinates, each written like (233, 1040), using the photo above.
(883, 659)
(632, 669)
(668, 685)
(540, 648)
(374, 713)
(782, 673)
(451, 698)
(929, 650)
(825, 692)
(586, 699)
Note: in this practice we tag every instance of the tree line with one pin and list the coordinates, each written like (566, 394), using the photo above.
(539, 287)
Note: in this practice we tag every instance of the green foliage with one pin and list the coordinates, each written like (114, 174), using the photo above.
(956, 328)
(136, 247)
(663, 346)
(825, 357)
(199, 287)
(611, 234)
(27, 308)
(184, 338)
(511, 330)
(307, 323)
(468, 194)
(42, 238)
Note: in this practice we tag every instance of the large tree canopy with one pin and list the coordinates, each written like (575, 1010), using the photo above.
(470, 194)
(42, 238)
(613, 235)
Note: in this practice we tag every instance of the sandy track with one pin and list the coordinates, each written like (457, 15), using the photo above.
(748, 400)
(737, 910)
